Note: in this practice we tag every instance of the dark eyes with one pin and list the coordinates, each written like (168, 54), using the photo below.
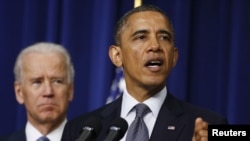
(160, 37)
(141, 37)
(165, 38)
(58, 81)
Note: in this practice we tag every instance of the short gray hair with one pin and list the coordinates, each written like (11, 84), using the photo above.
(44, 47)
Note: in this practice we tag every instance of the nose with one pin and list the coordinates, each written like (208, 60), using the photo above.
(154, 45)
(48, 89)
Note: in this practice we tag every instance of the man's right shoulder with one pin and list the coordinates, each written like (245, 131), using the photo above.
(15, 136)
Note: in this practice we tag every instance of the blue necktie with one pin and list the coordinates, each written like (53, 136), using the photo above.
(138, 130)
(43, 138)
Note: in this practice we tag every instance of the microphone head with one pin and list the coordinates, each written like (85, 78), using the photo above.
(120, 125)
(94, 124)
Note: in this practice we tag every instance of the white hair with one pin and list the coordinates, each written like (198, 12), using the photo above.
(44, 47)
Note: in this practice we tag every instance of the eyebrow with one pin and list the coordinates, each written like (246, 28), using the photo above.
(144, 31)
(166, 32)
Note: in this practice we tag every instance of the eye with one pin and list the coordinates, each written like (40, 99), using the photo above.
(58, 81)
(140, 37)
(36, 82)
(165, 37)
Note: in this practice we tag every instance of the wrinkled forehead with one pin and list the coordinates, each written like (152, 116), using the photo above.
(36, 56)
(41, 61)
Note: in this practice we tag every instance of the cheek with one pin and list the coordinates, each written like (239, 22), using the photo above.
(170, 58)
(30, 96)
(130, 60)
(31, 102)
(65, 96)
(132, 54)
(63, 102)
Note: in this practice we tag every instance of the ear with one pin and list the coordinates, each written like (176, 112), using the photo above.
(175, 57)
(115, 55)
(18, 92)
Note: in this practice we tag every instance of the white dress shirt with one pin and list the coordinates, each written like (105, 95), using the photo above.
(32, 134)
(154, 103)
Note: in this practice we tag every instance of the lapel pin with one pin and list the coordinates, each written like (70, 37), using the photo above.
(171, 127)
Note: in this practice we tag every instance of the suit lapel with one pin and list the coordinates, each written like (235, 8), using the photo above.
(108, 115)
(19, 135)
(168, 125)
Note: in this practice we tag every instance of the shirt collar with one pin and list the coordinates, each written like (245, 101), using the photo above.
(154, 103)
(33, 134)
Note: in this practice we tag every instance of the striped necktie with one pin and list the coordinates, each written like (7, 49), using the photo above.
(43, 138)
(138, 130)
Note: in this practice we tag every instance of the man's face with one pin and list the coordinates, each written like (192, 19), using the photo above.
(44, 88)
(147, 50)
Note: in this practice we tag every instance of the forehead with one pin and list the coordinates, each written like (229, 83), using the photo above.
(148, 19)
(42, 56)
(43, 61)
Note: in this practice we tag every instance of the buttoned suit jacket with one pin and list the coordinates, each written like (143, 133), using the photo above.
(175, 121)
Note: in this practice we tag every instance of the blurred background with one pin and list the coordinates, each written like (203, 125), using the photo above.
(213, 38)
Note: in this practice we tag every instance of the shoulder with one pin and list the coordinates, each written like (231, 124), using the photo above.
(101, 112)
(106, 113)
(15, 136)
(4, 137)
(190, 110)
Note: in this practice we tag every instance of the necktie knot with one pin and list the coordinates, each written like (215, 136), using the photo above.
(43, 138)
(138, 130)
(141, 110)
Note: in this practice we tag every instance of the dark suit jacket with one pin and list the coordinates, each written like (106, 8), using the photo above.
(173, 113)
(17, 136)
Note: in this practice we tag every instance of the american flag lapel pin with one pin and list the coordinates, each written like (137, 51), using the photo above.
(171, 127)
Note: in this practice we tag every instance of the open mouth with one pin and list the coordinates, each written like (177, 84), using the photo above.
(154, 63)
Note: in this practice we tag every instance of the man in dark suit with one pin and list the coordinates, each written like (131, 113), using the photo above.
(44, 84)
(145, 50)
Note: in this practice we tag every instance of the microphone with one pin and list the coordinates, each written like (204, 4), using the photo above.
(91, 129)
(117, 130)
